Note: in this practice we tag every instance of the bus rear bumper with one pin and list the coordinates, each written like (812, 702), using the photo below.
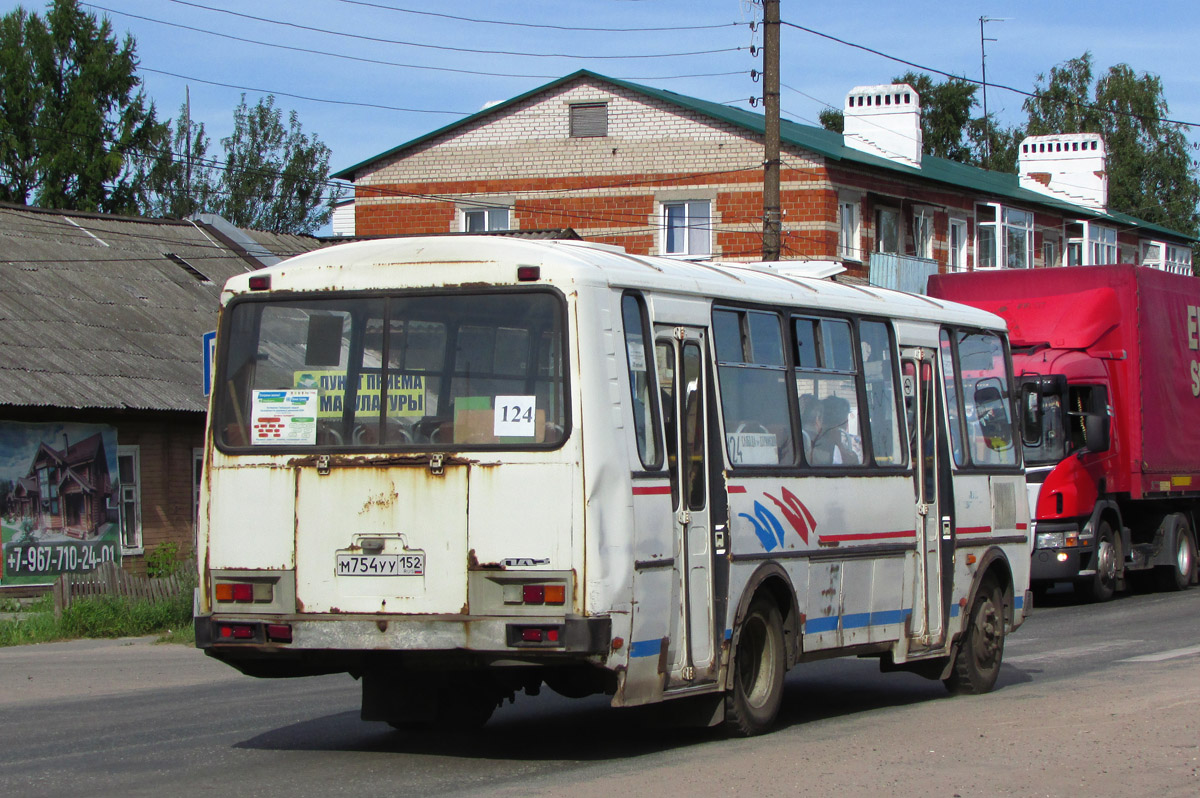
(303, 645)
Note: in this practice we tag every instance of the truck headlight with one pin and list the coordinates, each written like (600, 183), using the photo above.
(1049, 540)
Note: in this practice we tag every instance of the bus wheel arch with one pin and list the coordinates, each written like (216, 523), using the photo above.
(772, 581)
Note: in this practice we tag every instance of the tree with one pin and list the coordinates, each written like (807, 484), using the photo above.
(1151, 173)
(275, 178)
(74, 120)
(180, 179)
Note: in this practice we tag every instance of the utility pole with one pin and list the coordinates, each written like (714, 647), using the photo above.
(187, 148)
(987, 123)
(772, 222)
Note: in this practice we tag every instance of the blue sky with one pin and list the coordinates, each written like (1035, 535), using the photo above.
(1159, 38)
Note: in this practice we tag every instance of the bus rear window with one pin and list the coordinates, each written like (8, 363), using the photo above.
(428, 372)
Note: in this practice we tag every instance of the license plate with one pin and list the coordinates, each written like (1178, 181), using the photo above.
(381, 565)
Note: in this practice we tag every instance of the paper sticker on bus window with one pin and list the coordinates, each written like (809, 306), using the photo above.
(637, 356)
(283, 418)
(405, 392)
(515, 416)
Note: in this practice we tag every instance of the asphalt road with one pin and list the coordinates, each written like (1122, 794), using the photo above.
(1097, 700)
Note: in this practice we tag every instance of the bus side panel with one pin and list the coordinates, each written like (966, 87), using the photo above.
(807, 523)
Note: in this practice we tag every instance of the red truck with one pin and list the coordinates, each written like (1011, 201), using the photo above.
(1108, 362)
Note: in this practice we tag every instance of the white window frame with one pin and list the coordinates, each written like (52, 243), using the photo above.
(1173, 258)
(490, 214)
(197, 483)
(136, 495)
(698, 233)
(923, 233)
(957, 244)
(849, 229)
(1005, 220)
(1101, 245)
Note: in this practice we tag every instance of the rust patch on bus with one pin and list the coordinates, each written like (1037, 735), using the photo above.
(473, 563)
(376, 461)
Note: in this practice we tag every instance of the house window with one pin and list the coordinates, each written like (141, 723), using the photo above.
(887, 230)
(1018, 239)
(1050, 252)
(958, 245)
(848, 232)
(1168, 257)
(129, 498)
(1102, 243)
(48, 488)
(686, 228)
(485, 220)
(1004, 237)
(923, 233)
(589, 120)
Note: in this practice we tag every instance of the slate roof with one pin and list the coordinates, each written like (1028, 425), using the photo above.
(100, 311)
(824, 142)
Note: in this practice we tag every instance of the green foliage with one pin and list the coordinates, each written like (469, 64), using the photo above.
(73, 121)
(181, 179)
(103, 616)
(1151, 172)
(832, 119)
(275, 176)
(167, 559)
(945, 112)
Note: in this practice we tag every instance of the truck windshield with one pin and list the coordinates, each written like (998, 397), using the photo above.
(1051, 448)
(394, 372)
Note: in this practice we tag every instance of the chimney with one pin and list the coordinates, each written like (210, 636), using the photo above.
(1067, 166)
(885, 121)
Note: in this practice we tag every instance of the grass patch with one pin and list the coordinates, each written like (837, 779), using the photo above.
(102, 616)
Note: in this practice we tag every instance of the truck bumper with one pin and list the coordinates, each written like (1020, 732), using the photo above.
(1056, 565)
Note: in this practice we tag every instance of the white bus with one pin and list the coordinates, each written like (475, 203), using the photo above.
(465, 466)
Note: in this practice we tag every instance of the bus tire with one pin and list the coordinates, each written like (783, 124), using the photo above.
(1178, 575)
(758, 670)
(1103, 584)
(981, 647)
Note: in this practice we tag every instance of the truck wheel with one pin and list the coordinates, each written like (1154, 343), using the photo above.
(1108, 563)
(758, 669)
(1178, 575)
(981, 647)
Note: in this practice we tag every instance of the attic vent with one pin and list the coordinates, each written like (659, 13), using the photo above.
(187, 267)
(589, 120)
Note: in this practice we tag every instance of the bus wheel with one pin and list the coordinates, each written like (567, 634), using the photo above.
(1178, 575)
(981, 647)
(1108, 562)
(758, 668)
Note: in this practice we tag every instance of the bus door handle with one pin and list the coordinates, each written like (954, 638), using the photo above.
(683, 517)
(946, 529)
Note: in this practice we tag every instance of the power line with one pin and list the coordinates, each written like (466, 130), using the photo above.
(572, 28)
(1034, 95)
(302, 96)
(443, 47)
(382, 62)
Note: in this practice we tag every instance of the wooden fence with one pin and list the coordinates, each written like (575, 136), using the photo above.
(110, 580)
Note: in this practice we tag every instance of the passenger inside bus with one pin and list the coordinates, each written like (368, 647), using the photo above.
(831, 444)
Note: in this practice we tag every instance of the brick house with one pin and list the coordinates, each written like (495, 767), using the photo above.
(102, 406)
(662, 173)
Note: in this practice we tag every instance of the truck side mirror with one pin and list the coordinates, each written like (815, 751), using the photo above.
(1095, 430)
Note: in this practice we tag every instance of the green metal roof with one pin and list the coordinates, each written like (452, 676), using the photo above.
(824, 142)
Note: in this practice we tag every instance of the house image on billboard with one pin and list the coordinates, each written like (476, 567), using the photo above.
(68, 491)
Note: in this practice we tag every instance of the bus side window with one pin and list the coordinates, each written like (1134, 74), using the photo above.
(827, 389)
(641, 381)
(664, 356)
(753, 377)
(879, 373)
